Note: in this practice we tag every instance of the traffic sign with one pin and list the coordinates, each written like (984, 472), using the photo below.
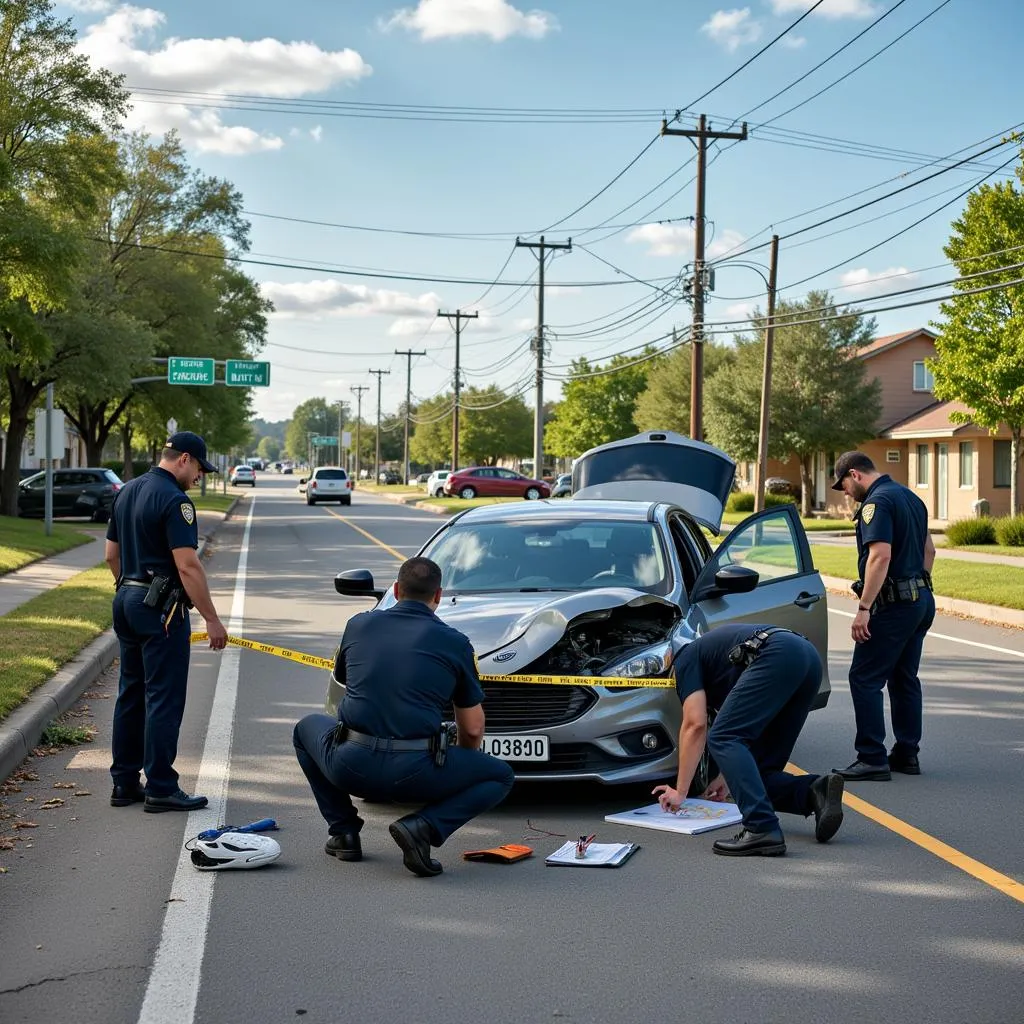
(239, 373)
(324, 441)
(186, 370)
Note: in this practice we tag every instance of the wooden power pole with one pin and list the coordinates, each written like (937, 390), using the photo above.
(459, 317)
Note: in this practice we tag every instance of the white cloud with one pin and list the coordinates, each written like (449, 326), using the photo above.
(678, 240)
(561, 289)
(413, 326)
(89, 6)
(266, 66)
(833, 9)
(320, 298)
(793, 42)
(317, 132)
(448, 19)
(863, 283)
(732, 29)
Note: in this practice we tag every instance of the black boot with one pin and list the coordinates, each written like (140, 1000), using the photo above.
(412, 834)
(826, 797)
(345, 846)
(752, 844)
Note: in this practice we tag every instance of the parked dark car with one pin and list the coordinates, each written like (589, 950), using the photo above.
(388, 476)
(494, 482)
(84, 491)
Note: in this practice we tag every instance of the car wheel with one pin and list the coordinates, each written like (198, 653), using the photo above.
(311, 501)
(467, 493)
(532, 494)
(99, 516)
(439, 493)
(344, 501)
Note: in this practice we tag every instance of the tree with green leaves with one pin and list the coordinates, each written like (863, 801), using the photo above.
(598, 404)
(315, 416)
(821, 399)
(979, 357)
(268, 449)
(665, 404)
(493, 425)
(431, 440)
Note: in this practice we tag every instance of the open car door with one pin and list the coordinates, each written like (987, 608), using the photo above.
(789, 590)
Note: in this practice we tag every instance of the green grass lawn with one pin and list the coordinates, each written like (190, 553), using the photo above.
(364, 485)
(810, 525)
(40, 636)
(23, 541)
(454, 505)
(213, 502)
(985, 549)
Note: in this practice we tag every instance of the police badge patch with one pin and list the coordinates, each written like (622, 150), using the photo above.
(188, 512)
(867, 513)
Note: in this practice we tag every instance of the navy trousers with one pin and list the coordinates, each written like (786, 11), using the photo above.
(890, 658)
(150, 692)
(469, 783)
(755, 732)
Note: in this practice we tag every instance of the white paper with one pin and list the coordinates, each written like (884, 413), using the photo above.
(692, 818)
(597, 855)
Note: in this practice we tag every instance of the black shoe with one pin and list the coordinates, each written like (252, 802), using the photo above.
(125, 796)
(905, 764)
(178, 801)
(412, 834)
(859, 771)
(752, 844)
(345, 846)
(827, 805)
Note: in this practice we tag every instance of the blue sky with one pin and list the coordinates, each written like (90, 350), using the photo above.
(948, 84)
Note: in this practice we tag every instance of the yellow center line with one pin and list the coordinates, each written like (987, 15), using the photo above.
(368, 536)
(1003, 883)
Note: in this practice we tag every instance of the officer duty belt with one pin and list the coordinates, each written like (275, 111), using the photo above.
(361, 739)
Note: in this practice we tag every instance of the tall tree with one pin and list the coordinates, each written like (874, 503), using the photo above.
(821, 398)
(980, 350)
(314, 416)
(665, 404)
(598, 404)
(493, 426)
(431, 441)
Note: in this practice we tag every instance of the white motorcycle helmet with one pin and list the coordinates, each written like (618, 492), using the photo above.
(233, 850)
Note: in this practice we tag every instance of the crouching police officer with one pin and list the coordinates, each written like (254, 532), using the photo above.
(895, 554)
(761, 681)
(402, 667)
(152, 539)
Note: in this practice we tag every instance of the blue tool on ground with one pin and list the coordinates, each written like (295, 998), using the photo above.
(263, 825)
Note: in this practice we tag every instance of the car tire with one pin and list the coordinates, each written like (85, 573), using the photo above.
(311, 501)
(532, 494)
(467, 493)
(439, 493)
(344, 501)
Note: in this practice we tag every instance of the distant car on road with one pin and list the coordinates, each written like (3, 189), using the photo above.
(494, 482)
(388, 476)
(327, 483)
(240, 475)
(435, 483)
(83, 491)
(418, 479)
(562, 487)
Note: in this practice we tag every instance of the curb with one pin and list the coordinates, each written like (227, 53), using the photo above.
(395, 499)
(993, 613)
(23, 727)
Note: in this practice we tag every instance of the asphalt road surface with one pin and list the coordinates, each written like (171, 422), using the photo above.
(912, 913)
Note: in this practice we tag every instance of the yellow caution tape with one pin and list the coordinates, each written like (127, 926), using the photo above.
(328, 663)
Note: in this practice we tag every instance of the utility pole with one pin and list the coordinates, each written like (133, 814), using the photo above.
(376, 465)
(408, 398)
(766, 380)
(459, 317)
(702, 134)
(538, 411)
(341, 414)
(358, 392)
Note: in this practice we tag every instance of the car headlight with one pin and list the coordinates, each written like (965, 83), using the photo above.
(649, 661)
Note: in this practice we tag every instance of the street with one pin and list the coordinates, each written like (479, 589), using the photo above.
(103, 918)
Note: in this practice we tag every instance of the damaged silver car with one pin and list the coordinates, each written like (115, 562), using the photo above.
(614, 582)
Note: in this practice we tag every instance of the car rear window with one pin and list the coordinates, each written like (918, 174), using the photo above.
(111, 477)
(331, 474)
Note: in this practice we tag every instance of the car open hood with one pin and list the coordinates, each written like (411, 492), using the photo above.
(511, 630)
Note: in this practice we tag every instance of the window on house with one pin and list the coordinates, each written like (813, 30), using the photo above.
(1001, 464)
(923, 465)
(966, 463)
(923, 379)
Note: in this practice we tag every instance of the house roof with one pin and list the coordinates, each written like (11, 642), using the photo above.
(932, 421)
(888, 341)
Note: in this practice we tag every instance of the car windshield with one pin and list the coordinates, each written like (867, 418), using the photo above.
(330, 474)
(550, 555)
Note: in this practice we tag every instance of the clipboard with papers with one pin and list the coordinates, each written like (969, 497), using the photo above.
(692, 818)
(596, 855)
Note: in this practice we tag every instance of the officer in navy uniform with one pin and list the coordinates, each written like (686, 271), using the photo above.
(896, 607)
(402, 668)
(152, 539)
(761, 681)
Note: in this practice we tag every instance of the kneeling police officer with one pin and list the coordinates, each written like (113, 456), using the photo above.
(402, 667)
(761, 681)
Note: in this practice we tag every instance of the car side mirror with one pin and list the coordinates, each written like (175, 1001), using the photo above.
(736, 579)
(357, 583)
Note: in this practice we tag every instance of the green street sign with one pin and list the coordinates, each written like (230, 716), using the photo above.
(323, 442)
(238, 373)
(186, 370)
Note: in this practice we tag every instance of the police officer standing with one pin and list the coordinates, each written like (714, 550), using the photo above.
(152, 539)
(761, 681)
(402, 668)
(895, 554)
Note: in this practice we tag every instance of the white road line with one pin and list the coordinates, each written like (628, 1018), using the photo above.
(174, 980)
(951, 639)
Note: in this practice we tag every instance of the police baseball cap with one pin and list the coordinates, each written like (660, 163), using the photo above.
(187, 443)
(848, 461)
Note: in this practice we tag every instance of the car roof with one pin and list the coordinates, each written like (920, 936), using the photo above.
(316, 469)
(521, 511)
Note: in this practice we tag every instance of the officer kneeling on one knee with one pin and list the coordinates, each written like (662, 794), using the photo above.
(761, 681)
(402, 668)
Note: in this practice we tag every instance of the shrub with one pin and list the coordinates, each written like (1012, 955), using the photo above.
(771, 500)
(740, 501)
(972, 531)
(1010, 531)
(780, 485)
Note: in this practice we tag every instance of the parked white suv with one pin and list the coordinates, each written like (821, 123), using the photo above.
(328, 483)
(435, 483)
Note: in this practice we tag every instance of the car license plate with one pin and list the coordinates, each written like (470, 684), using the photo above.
(517, 748)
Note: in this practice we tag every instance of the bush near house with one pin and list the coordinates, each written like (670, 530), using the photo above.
(1010, 531)
(972, 531)
(743, 501)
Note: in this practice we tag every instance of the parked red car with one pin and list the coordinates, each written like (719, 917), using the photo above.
(494, 482)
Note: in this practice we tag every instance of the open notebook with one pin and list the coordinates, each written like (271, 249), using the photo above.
(598, 855)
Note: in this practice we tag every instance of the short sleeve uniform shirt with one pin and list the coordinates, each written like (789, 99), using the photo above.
(704, 664)
(892, 514)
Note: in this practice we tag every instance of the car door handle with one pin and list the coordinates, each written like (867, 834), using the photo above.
(805, 600)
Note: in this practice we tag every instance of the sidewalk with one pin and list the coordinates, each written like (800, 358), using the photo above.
(22, 728)
(940, 551)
